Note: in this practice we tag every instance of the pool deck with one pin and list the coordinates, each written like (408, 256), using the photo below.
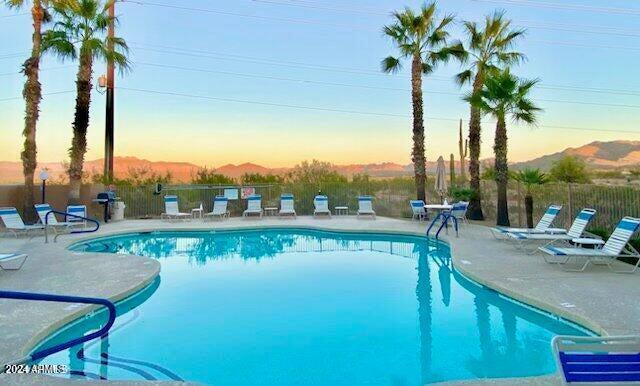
(602, 301)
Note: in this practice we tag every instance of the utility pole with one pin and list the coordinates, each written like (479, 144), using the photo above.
(109, 121)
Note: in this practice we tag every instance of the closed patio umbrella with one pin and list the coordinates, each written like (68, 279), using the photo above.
(441, 178)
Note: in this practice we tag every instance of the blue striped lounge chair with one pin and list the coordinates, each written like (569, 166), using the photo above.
(617, 246)
(254, 206)
(575, 232)
(13, 223)
(12, 261)
(417, 210)
(365, 207)
(598, 360)
(321, 206)
(543, 226)
(51, 221)
(220, 208)
(459, 211)
(287, 206)
(171, 210)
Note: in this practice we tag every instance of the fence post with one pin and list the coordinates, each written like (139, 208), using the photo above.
(570, 200)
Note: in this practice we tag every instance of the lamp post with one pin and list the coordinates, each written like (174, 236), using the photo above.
(109, 116)
(44, 176)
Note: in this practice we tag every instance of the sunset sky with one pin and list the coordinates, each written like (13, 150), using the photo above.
(275, 82)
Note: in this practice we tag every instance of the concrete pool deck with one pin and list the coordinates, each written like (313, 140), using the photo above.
(597, 299)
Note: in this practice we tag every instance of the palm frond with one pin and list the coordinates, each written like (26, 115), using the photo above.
(465, 77)
(391, 64)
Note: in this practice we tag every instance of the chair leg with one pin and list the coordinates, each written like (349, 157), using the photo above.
(584, 266)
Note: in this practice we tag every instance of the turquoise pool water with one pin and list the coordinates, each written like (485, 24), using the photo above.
(302, 307)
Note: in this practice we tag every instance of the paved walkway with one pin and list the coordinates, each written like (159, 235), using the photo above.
(602, 301)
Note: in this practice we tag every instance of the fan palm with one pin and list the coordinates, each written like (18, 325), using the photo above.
(421, 38)
(80, 34)
(489, 49)
(32, 94)
(530, 178)
(503, 95)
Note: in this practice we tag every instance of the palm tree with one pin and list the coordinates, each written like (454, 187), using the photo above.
(32, 94)
(422, 39)
(80, 34)
(530, 178)
(503, 95)
(489, 49)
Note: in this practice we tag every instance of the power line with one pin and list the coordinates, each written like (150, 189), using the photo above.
(350, 70)
(307, 81)
(358, 112)
(573, 7)
(42, 69)
(44, 94)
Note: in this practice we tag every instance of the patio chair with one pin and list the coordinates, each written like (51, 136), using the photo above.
(171, 211)
(543, 226)
(321, 206)
(365, 207)
(254, 206)
(220, 208)
(77, 210)
(617, 246)
(575, 232)
(287, 206)
(14, 224)
(586, 360)
(12, 261)
(417, 210)
(459, 211)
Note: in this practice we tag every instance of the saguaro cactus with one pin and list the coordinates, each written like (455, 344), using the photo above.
(463, 147)
(452, 170)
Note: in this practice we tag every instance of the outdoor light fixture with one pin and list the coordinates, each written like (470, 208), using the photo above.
(44, 176)
(102, 84)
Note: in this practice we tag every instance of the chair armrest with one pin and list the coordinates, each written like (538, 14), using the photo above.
(587, 241)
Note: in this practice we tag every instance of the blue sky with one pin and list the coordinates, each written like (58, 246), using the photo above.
(323, 54)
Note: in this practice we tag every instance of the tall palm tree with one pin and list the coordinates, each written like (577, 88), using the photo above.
(421, 38)
(489, 49)
(32, 94)
(80, 34)
(503, 95)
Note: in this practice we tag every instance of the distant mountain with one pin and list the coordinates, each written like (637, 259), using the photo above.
(597, 155)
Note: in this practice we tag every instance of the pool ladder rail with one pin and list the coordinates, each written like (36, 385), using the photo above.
(54, 212)
(446, 216)
(42, 353)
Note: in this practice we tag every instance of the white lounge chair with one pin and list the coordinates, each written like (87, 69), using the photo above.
(576, 231)
(12, 261)
(254, 206)
(287, 206)
(615, 247)
(171, 211)
(586, 360)
(321, 206)
(77, 210)
(417, 210)
(14, 224)
(365, 207)
(543, 226)
(220, 205)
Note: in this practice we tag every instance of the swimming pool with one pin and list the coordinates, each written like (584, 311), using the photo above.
(296, 306)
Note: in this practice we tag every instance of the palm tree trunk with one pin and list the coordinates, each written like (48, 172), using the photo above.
(80, 126)
(418, 154)
(32, 94)
(475, 203)
(502, 172)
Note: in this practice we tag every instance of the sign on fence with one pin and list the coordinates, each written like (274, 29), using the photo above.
(231, 194)
(246, 192)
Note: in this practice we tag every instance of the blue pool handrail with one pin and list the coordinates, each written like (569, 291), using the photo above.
(446, 216)
(66, 214)
(63, 299)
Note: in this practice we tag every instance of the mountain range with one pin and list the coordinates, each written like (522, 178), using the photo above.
(598, 155)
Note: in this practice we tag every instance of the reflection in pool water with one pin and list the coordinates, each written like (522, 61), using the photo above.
(291, 306)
